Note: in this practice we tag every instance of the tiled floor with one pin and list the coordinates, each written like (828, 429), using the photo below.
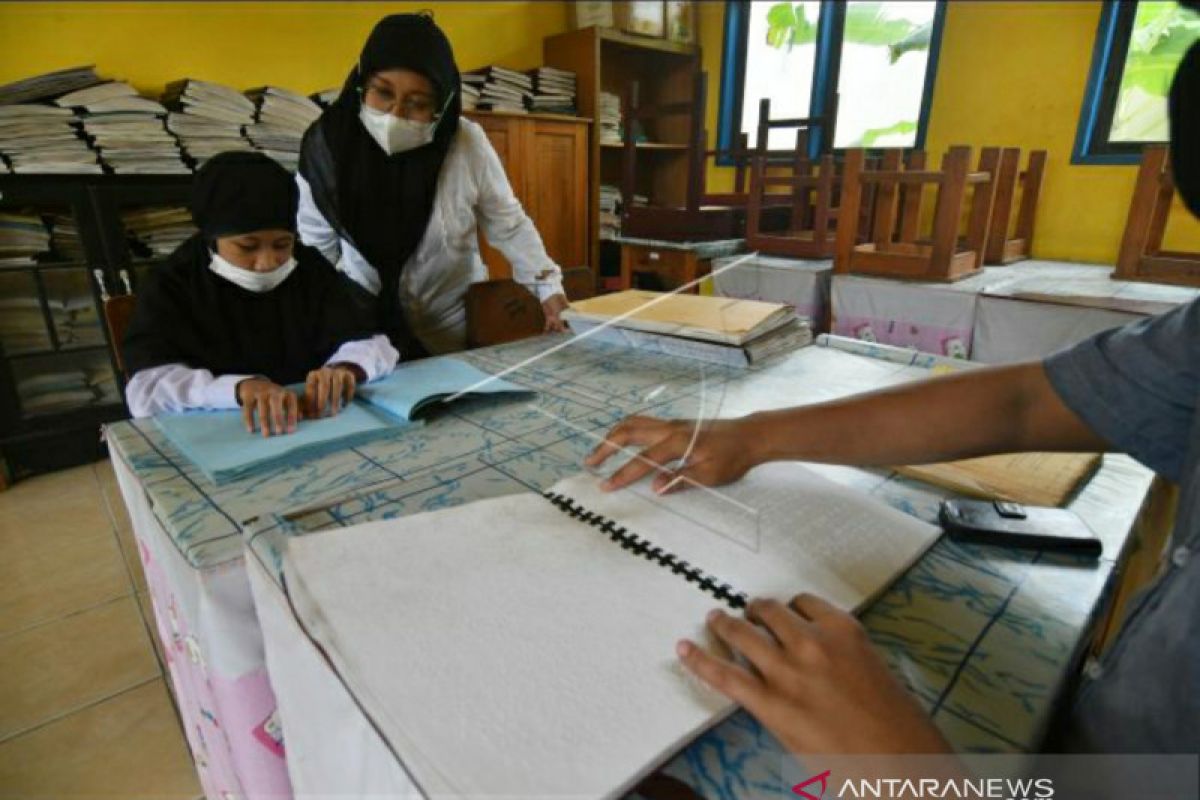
(84, 706)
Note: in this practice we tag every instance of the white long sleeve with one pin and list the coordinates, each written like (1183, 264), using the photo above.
(315, 231)
(509, 229)
(376, 355)
(172, 388)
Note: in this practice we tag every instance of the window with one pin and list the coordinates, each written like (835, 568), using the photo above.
(1138, 47)
(878, 58)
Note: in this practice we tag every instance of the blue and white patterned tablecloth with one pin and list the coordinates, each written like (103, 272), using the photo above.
(986, 638)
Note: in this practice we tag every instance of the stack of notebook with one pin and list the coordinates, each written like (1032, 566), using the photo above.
(500, 89)
(553, 91)
(717, 329)
(126, 129)
(23, 236)
(609, 113)
(48, 85)
(207, 117)
(38, 138)
(156, 231)
(281, 119)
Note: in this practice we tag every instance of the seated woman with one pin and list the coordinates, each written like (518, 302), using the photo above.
(241, 310)
(393, 181)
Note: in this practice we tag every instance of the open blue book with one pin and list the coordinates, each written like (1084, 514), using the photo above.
(217, 441)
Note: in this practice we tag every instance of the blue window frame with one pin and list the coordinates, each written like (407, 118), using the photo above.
(1138, 45)
(828, 33)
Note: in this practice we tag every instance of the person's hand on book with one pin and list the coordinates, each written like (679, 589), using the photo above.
(817, 683)
(328, 389)
(268, 407)
(721, 453)
(552, 307)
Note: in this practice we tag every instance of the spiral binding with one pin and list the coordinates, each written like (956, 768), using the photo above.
(635, 545)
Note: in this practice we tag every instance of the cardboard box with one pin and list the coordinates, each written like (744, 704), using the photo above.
(641, 17)
(587, 13)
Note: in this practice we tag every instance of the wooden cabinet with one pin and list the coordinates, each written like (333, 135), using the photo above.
(546, 158)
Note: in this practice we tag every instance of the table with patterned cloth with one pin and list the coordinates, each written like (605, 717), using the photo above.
(987, 638)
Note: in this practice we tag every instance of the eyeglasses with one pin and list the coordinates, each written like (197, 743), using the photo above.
(417, 107)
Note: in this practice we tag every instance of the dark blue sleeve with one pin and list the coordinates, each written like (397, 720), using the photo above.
(1137, 386)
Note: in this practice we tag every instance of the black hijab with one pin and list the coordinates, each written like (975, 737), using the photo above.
(241, 192)
(382, 203)
(187, 314)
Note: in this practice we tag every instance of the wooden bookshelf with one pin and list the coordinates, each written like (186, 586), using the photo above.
(609, 60)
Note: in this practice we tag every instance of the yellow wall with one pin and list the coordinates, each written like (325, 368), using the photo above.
(305, 46)
(1014, 73)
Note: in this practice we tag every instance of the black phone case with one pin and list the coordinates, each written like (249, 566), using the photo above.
(980, 522)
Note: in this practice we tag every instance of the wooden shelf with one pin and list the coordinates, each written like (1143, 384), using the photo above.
(647, 42)
(480, 112)
(608, 60)
(667, 146)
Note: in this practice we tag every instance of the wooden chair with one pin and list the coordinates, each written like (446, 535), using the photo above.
(893, 247)
(1002, 248)
(694, 219)
(809, 223)
(118, 313)
(502, 310)
(1141, 257)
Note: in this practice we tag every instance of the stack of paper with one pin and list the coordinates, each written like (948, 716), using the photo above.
(610, 211)
(325, 97)
(207, 117)
(155, 231)
(553, 91)
(470, 95)
(44, 139)
(76, 318)
(64, 238)
(501, 89)
(609, 112)
(48, 85)
(23, 236)
(22, 324)
(282, 117)
(47, 392)
(126, 129)
(712, 319)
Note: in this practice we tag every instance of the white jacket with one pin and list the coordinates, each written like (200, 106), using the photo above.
(472, 191)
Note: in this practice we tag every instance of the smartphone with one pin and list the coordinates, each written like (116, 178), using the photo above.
(1003, 524)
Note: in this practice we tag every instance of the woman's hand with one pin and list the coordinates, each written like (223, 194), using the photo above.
(818, 683)
(724, 450)
(329, 388)
(553, 306)
(276, 409)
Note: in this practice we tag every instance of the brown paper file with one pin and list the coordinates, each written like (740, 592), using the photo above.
(1036, 479)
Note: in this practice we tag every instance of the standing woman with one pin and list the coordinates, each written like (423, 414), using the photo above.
(393, 182)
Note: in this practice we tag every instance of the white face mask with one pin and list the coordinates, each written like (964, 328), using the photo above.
(393, 134)
(250, 280)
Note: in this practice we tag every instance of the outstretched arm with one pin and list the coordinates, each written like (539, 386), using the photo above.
(996, 410)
